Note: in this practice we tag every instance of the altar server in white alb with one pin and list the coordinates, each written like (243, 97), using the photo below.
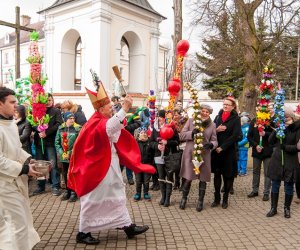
(16, 223)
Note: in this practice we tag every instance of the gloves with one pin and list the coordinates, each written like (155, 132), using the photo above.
(208, 145)
(195, 131)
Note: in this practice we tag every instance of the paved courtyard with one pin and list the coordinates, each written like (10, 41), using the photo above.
(243, 225)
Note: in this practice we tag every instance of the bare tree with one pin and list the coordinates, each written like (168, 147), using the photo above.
(177, 7)
(280, 17)
(190, 71)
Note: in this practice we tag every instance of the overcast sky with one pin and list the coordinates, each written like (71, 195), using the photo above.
(164, 7)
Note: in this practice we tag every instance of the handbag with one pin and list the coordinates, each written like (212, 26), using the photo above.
(173, 162)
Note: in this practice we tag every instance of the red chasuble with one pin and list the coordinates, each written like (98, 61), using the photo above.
(91, 155)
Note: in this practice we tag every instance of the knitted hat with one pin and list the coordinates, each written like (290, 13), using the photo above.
(68, 115)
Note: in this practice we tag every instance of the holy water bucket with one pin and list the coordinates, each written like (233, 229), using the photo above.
(43, 167)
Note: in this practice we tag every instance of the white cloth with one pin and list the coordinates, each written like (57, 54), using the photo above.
(16, 223)
(105, 207)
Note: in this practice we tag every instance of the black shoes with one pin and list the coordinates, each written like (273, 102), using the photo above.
(56, 192)
(182, 203)
(86, 239)
(66, 195)
(131, 182)
(265, 197)
(215, 203)
(252, 194)
(133, 230)
(38, 191)
(73, 197)
(272, 212)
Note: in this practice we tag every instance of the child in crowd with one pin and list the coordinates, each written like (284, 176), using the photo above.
(66, 136)
(143, 179)
(243, 147)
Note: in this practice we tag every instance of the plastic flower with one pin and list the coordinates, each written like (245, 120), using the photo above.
(37, 111)
(198, 138)
(265, 90)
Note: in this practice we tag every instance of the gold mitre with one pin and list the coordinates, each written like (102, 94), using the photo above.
(100, 98)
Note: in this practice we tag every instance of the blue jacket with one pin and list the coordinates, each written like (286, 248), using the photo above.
(244, 143)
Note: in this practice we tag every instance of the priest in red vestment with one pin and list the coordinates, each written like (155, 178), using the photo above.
(95, 174)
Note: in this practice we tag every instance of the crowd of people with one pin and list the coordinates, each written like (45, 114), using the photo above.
(70, 144)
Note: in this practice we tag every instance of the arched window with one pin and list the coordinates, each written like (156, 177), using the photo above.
(78, 65)
(124, 60)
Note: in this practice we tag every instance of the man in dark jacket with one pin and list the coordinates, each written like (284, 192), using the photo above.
(45, 148)
(261, 154)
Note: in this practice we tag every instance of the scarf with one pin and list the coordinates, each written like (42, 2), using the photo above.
(225, 115)
(205, 123)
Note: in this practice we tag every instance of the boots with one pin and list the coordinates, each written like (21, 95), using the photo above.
(185, 192)
(168, 194)
(225, 200)
(162, 186)
(202, 188)
(217, 200)
(274, 202)
(287, 204)
(177, 181)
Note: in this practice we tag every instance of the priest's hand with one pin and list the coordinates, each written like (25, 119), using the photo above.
(32, 172)
(127, 103)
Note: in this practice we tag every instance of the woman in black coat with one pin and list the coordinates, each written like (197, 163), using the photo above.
(284, 169)
(24, 128)
(224, 157)
(158, 145)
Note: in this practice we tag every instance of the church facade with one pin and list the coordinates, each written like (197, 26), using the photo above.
(79, 35)
(83, 35)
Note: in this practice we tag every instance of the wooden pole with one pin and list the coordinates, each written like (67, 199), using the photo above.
(17, 54)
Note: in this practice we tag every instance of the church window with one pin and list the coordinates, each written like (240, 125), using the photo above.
(78, 65)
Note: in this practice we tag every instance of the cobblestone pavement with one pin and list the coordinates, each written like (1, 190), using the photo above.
(243, 225)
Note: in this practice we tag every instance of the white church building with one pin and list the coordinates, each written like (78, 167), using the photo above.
(80, 35)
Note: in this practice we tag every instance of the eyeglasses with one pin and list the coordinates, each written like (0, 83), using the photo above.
(225, 104)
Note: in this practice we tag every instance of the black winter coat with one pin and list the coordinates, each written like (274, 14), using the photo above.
(146, 152)
(171, 143)
(25, 130)
(55, 121)
(285, 172)
(253, 138)
(226, 161)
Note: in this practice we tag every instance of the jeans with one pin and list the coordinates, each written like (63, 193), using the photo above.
(288, 187)
(49, 155)
(129, 174)
(256, 175)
